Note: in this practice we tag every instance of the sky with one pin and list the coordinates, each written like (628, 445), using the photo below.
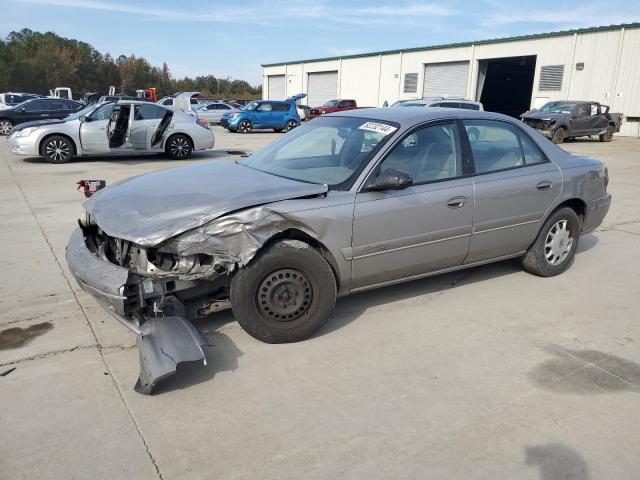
(233, 38)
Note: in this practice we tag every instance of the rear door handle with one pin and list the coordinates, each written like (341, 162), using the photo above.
(457, 202)
(546, 185)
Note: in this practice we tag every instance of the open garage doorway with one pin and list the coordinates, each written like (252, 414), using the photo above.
(505, 84)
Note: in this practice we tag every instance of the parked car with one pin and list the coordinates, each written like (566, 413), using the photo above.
(278, 115)
(10, 99)
(126, 127)
(332, 106)
(569, 119)
(212, 112)
(303, 112)
(349, 202)
(443, 103)
(36, 109)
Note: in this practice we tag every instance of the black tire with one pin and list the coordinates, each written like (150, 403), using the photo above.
(539, 259)
(285, 294)
(608, 135)
(245, 126)
(558, 135)
(5, 126)
(290, 125)
(57, 149)
(178, 147)
(277, 130)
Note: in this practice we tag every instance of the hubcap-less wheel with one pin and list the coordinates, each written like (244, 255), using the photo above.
(58, 150)
(5, 127)
(558, 137)
(245, 126)
(284, 295)
(179, 147)
(290, 125)
(558, 243)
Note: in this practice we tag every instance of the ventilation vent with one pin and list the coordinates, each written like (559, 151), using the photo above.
(551, 78)
(410, 82)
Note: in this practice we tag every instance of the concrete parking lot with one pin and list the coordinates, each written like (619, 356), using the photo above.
(489, 373)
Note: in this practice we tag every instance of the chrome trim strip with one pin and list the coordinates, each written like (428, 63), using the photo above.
(101, 293)
(436, 272)
(506, 226)
(410, 246)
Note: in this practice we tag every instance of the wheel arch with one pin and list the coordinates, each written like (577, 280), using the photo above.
(179, 132)
(57, 134)
(297, 234)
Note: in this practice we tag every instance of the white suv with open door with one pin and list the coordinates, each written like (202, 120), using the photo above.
(126, 127)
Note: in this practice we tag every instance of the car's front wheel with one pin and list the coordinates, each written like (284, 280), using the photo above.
(285, 294)
(558, 135)
(5, 127)
(179, 147)
(555, 246)
(57, 149)
(245, 126)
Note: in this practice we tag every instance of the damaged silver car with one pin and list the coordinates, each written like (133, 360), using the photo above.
(348, 202)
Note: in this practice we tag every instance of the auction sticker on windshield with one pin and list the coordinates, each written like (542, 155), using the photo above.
(382, 128)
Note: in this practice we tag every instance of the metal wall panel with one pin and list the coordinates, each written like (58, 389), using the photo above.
(322, 87)
(445, 79)
(277, 87)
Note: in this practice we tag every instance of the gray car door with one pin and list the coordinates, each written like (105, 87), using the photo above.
(146, 120)
(426, 227)
(515, 185)
(93, 131)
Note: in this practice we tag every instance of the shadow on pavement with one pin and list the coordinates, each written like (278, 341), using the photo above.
(556, 461)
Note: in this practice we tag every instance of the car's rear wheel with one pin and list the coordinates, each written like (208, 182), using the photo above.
(5, 127)
(608, 135)
(285, 294)
(555, 247)
(179, 147)
(290, 125)
(245, 126)
(57, 149)
(558, 135)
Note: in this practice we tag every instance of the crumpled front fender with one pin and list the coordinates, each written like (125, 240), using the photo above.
(163, 343)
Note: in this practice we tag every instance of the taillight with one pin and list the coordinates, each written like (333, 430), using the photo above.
(203, 123)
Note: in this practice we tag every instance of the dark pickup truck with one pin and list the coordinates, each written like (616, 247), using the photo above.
(333, 106)
(566, 119)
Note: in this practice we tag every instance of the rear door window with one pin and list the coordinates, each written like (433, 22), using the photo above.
(494, 144)
(56, 105)
(148, 111)
(280, 107)
(532, 153)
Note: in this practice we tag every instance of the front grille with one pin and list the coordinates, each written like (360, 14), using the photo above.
(537, 123)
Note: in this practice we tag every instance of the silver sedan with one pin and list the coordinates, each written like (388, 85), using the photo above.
(212, 112)
(125, 127)
(349, 202)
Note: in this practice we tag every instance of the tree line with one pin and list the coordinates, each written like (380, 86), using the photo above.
(36, 62)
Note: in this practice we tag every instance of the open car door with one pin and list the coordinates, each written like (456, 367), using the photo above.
(93, 130)
(162, 128)
(119, 126)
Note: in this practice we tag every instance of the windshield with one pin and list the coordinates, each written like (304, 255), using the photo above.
(85, 111)
(251, 106)
(331, 103)
(557, 107)
(329, 150)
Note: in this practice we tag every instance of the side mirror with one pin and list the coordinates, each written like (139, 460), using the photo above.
(22, 110)
(390, 179)
(83, 118)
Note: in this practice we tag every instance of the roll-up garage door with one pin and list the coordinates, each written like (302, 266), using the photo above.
(445, 79)
(276, 86)
(322, 87)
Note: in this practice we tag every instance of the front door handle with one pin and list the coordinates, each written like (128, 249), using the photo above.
(457, 202)
(546, 185)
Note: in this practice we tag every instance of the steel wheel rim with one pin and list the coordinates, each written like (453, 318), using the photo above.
(57, 150)
(245, 126)
(560, 135)
(285, 296)
(558, 243)
(179, 147)
(5, 127)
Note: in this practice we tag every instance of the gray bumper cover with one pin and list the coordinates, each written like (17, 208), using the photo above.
(163, 342)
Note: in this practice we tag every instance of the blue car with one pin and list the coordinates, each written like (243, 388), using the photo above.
(278, 115)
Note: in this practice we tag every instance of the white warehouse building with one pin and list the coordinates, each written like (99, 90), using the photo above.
(508, 75)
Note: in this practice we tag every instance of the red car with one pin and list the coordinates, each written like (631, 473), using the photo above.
(332, 106)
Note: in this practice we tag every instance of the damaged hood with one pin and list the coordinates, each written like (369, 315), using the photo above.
(537, 115)
(154, 207)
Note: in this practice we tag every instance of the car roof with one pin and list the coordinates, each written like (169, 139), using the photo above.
(408, 117)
